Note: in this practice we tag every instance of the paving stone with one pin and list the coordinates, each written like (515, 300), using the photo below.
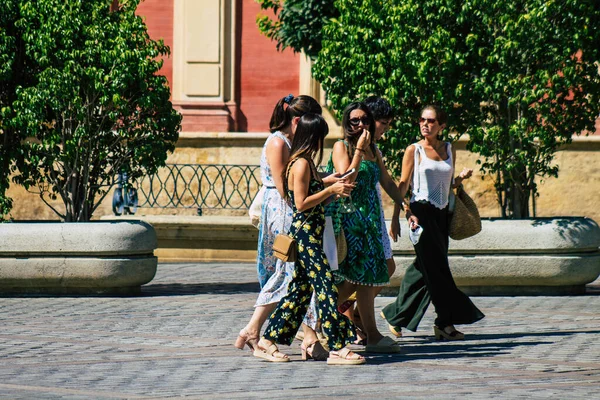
(175, 340)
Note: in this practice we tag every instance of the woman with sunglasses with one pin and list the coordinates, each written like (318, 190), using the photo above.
(364, 269)
(428, 167)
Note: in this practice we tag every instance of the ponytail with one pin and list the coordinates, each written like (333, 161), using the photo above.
(289, 107)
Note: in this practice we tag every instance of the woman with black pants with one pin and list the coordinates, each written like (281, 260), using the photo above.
(429, 167)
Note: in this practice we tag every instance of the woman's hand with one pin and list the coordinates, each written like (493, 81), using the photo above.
(413, 221)
(341, 188)
(395, 229)
(331, 179)
(465, 173)
(364, 140)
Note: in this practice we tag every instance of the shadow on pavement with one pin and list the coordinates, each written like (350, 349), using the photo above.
(178, 289)
(422, 348)
(415, 352)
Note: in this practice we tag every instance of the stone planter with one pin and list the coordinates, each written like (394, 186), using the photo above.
(543, 256)
(100, 257)
(206, 238)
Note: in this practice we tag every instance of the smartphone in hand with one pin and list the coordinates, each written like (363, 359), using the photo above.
(345, 174)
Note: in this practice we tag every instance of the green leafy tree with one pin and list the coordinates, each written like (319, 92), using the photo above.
(519, 77)
(297, 23)
(410, 52)
(538, 83)
(95, 104)
(16, 70)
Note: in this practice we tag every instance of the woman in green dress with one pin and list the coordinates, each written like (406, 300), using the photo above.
(364, 269)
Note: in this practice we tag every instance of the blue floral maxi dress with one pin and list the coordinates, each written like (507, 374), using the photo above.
(274, 275)
(312, 275)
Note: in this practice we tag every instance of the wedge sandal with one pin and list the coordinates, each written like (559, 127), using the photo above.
(269, 353)
(344, 357)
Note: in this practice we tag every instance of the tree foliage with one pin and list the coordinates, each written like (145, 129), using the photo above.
(16, 70)
(297, 23)
(93, 104)
(519, 77)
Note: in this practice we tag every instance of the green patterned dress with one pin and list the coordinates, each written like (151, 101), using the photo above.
(365, 262)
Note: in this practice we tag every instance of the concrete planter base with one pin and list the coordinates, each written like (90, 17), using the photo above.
(205, 238)
(551, 256)
(544, 256)
(107, 257)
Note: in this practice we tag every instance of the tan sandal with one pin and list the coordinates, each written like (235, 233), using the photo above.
(345, 357)
(314, 351)
(395, 331)
(244, 339)
(269, 352)
(441, 334)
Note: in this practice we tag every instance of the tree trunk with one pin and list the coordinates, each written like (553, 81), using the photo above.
(519, 196)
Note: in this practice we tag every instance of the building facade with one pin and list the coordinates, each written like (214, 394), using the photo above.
(225, 76)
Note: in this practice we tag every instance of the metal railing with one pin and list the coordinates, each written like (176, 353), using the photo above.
(200, 186)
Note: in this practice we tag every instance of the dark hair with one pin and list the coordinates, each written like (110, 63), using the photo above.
(308, 142)
(289, 107)
(440, 115)
(379, 107)
(350, 136)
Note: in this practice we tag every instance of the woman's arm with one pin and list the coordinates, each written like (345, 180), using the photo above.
(464, 174)
(278, 155)
(387, 183)
(301, 174)
(408, 163)
(341, 160)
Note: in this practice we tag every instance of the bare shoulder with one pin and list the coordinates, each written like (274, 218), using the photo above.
(301, 164)
(339, 146)
(276, 143)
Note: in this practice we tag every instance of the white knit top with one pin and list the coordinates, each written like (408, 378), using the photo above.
(431, 178)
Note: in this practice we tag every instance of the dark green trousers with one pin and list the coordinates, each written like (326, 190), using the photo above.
(428, 279)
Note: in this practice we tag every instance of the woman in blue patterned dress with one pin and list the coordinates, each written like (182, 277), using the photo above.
(312, 273)
(276, 217)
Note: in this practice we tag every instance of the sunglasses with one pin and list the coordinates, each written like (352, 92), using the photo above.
(357, 121)
(428, 120)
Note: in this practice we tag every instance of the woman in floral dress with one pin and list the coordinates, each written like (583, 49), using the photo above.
(276, 217)
(312, 273)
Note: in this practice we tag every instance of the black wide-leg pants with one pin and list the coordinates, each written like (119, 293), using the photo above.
(428, 278)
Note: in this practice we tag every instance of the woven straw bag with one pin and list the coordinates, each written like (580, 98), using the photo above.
(465, 221)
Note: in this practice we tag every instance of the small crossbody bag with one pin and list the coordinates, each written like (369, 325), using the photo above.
(284, 246)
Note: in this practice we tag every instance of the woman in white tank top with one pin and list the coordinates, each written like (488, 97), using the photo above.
(428, 167)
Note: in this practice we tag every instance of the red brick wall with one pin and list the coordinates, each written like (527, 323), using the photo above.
(158, 15)
(266, 75)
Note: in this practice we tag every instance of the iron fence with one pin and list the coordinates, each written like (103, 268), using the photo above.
(200, 186)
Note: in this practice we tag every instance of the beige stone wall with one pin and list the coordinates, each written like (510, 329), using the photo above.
(573, 193)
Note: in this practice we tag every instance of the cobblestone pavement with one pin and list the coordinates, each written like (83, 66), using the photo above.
(176, 341)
